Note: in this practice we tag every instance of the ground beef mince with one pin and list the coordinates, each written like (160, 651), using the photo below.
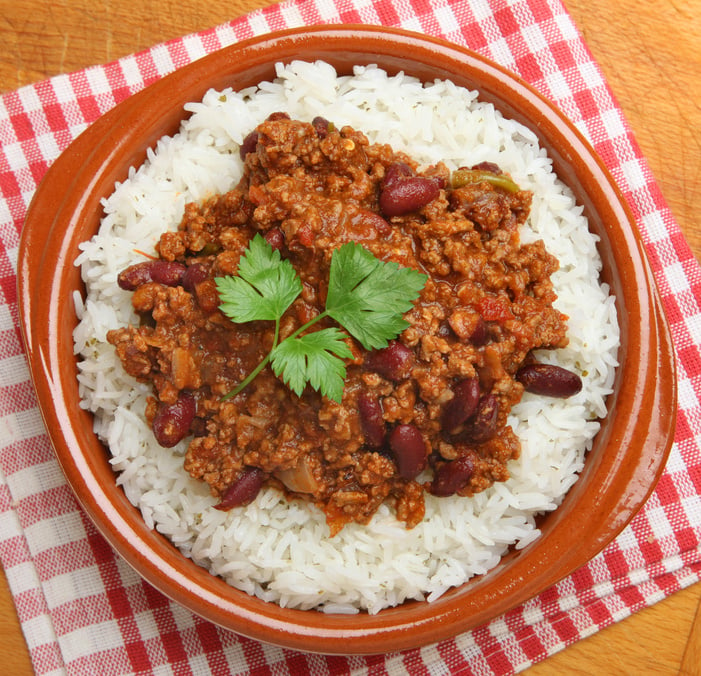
(427, 413)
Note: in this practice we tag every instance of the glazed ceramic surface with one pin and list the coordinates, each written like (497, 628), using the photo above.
(620, 472)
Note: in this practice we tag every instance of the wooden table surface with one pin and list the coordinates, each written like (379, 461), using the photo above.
(651, 56)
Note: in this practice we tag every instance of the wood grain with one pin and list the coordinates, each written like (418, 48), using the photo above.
(650, 54)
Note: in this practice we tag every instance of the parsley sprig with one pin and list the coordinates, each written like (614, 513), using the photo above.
(366, 296)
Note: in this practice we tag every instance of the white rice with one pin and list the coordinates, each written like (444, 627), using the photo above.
(280, 550)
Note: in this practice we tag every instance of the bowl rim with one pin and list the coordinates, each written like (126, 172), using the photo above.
(65, 207)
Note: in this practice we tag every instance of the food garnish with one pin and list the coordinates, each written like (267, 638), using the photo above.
(366, 296)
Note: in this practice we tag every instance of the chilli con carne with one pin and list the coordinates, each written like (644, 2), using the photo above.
(428, 412)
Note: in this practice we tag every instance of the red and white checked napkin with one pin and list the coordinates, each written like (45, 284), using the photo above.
(84, 611)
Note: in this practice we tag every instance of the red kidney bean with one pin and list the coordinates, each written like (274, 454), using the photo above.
(405, 195)
(393, 362)
(408, 449)
(366, 218)
(321, 126)
(172, 422)
(483, 425)
(169, 273)
(276, 238)
(273, 117)
(549, 380)
(396, 172)
(487, 166)
(466, 396)
(243, 490)
(371, 420)
(194, 275)
(452, 476)
(479, 335)
(248, 145)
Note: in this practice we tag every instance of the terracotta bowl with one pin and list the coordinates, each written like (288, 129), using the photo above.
(621, 470)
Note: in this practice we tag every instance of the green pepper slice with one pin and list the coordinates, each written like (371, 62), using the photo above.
(463, 177)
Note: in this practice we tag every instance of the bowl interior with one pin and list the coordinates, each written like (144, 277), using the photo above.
(628, 454)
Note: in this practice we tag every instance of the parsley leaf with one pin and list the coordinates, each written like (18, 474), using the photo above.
(368, 297)
(313, 358)
(264, 288)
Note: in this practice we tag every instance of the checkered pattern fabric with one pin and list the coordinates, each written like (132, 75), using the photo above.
(84, 611)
